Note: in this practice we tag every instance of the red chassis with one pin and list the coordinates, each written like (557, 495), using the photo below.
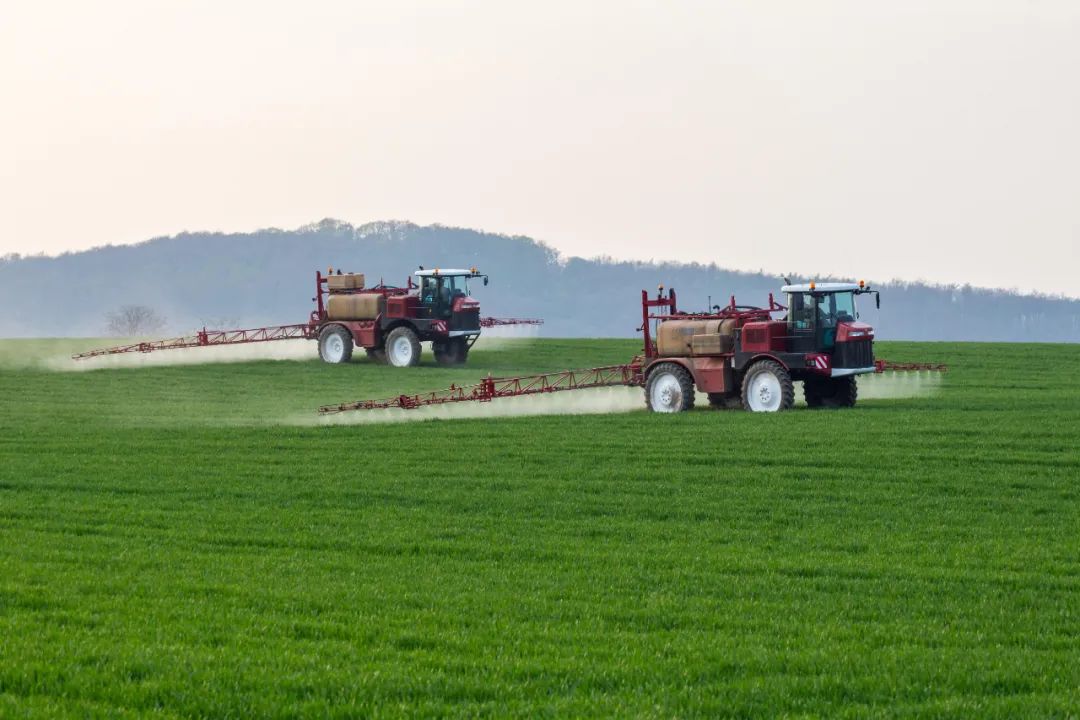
(711, 373)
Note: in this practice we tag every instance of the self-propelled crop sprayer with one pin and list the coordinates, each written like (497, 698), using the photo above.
(737, 355)
(388, 322)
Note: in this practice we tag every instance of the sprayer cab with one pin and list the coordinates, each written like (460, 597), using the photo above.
(752, 356)
(390, 322)
(823, 318)
(444, 295)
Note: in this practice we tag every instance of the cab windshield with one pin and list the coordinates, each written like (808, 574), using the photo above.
(456, 285)
(813, 317)
(833, 308)
(442, 288)
(821, 310)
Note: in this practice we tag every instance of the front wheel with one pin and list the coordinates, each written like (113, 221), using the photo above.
(767, 387)
(335, 344)
(403, 347)
(831, 392)
(450, 352)
(669, 389)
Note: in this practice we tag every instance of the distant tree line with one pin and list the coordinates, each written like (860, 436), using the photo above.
(267, 277)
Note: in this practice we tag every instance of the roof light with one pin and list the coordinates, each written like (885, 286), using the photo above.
(436, 271)
(813, 284)
(862, 284)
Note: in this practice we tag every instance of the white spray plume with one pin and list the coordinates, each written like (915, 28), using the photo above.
(496, 338)
(590, 401)
(894, 385)
(502, 336)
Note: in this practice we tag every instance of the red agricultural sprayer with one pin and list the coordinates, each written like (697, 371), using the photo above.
(388, 322)
(737, 355)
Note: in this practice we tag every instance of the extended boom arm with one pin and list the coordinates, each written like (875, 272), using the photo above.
(490, 388)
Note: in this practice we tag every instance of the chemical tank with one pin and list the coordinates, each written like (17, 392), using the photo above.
(362, 306)
(686, 338)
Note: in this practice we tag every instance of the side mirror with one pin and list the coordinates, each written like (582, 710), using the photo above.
(877, 301)
(485, 280)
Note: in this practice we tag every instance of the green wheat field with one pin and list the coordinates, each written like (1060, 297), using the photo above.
(191, 541)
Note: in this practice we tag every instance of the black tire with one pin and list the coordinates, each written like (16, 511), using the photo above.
(402, 347)
(675, 394)
(450, 352)
(376, 355)
(767, 387)
(335, 345)
(831, 392)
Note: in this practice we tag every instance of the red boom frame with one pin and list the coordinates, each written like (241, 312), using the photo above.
(498, 322)
(206, 338)
(490, 388)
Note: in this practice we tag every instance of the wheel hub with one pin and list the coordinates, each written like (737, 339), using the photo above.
(335, 348)
(764, 393)
(666, 394)
(402, 351)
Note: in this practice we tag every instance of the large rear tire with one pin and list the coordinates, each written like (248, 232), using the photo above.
(831, 392)
(669, 389)
(403, 347)
(335, 344)
(767, 387)
(450, 352)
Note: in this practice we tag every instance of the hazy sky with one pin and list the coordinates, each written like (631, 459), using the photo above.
(935, 140)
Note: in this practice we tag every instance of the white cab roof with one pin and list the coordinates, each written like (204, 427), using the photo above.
(442, 271)
(820, 287)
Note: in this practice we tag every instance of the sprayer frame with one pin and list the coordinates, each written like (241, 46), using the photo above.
(721, 373)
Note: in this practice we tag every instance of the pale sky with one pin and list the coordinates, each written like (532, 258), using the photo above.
(920, 140)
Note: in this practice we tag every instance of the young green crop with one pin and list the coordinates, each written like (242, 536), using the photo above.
(178, 541)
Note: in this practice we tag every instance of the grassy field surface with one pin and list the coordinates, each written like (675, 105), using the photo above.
(188, 541)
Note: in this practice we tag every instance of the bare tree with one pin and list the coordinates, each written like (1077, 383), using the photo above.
(223, 322)
(134, 320)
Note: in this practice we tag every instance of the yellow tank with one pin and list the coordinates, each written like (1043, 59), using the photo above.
(364, 306)
(348, 281)
(685, 338)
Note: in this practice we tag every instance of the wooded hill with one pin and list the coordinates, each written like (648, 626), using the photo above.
(266, 277)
